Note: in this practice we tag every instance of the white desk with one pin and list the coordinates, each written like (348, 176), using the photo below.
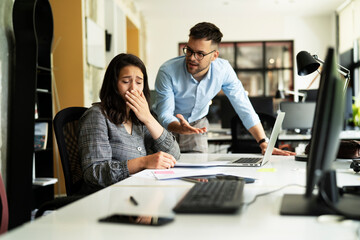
(346, 134)
(261, 220)
(350, 134)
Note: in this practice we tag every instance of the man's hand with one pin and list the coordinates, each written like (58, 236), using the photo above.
(183, 127)
(276, 151)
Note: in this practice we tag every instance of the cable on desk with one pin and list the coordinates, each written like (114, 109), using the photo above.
(324, 197)
(267, 193)
(330, 205)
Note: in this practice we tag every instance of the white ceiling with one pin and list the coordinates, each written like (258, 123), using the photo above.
(201, 8)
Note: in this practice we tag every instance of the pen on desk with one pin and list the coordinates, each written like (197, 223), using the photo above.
(132, 199)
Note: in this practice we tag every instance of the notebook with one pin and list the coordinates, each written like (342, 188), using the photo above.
(261, 160)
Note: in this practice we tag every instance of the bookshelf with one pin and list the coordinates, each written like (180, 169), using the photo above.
(30, 104)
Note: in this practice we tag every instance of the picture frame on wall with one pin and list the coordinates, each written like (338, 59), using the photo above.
(95, 44)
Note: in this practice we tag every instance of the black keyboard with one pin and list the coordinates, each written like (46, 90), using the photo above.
(220, 196)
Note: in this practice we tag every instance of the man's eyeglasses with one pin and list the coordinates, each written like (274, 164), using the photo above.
(198, 55)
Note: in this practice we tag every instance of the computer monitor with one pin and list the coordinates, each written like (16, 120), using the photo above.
(214, 116)
(310, 94)
(323, 151)
(298, 115)
(152, 99)
(348, 106)
(227, 112)
(260, 105)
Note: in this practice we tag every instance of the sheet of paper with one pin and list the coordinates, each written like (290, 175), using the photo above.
(201, 164)
(147, 173)
(162, 174)
(204, 160)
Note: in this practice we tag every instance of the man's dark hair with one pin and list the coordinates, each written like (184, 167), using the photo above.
(206, 30)
(112, 103)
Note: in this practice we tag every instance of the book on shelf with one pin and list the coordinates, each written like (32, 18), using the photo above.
(36, 112)
(42, 90)
(40, 135)
(44, 181)
(41, 181)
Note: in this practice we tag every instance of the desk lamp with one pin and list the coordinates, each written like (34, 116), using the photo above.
(288, 92)
(307, 64)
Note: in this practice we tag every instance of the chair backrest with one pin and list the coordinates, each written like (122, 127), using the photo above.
(4, 208)
(66, 131)
(242, 140)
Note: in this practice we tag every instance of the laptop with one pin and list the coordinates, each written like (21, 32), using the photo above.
(261, 160)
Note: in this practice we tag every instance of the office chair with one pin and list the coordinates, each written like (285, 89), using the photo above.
(66, 133)
(242, 141)
(4, 210)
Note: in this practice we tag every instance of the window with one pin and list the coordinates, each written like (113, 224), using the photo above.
(263, 67)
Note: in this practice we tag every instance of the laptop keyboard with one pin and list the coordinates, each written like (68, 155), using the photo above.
(220, 196)
(247, 160)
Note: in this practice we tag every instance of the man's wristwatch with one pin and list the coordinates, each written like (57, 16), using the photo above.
(263, 140)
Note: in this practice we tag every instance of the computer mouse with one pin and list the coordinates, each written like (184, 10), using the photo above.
(301, 157)
(355, 165)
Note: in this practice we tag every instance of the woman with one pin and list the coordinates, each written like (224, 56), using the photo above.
(119, 136)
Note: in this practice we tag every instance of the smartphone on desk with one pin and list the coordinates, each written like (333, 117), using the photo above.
(137, 219)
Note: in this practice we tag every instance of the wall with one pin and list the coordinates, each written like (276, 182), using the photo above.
(115, 24)
(94, 9)
(77, 82)
(349, 35)
(349, 24)
(132, 38)
(68, 65)
(313, 34)
(6, 58)
(111, 15)
(68, 53)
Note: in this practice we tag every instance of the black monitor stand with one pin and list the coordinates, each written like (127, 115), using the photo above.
(328, 200)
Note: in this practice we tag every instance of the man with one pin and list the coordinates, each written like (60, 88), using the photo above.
(185, 86)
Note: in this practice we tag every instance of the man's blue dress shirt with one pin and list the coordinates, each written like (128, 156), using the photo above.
(178, 92)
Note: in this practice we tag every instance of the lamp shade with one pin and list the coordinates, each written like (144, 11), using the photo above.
(306, 64)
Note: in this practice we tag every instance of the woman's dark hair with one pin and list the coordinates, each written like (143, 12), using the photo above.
(206, 30)
(112, 103)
